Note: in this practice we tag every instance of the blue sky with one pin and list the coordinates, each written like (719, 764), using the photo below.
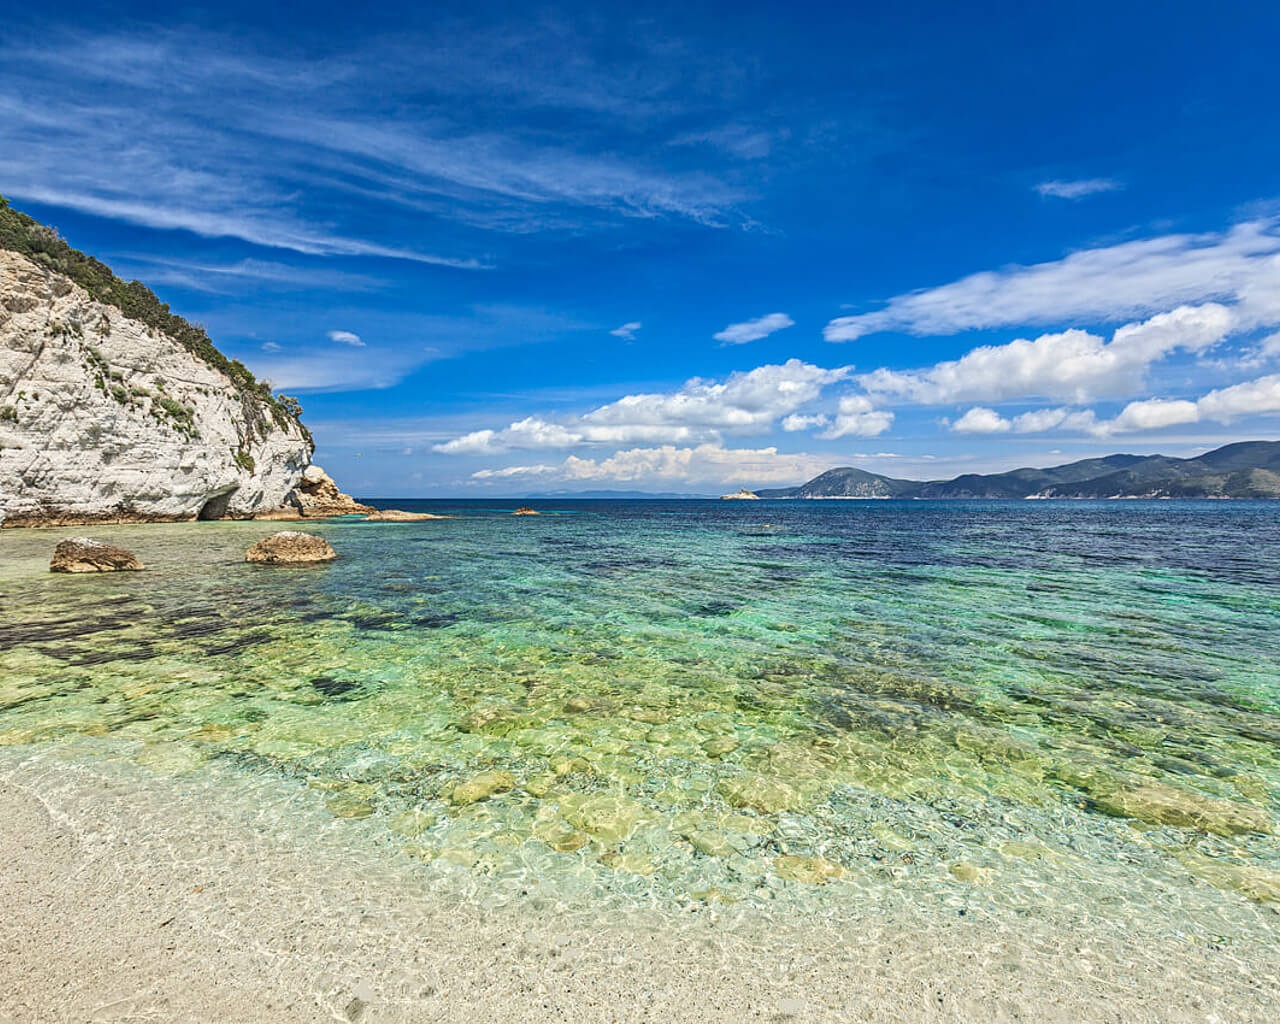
(505, 248)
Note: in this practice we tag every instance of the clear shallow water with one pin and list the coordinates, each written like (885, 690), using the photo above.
(1067, 711)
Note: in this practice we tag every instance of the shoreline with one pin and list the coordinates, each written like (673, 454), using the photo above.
(141, 894)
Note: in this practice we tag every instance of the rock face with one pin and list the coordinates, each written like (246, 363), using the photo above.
(316, 496)
(83, 554)
(106, 419)
(289, 547)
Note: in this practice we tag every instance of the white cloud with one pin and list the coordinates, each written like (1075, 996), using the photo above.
(1073, 365)
(857, 417)
(796, 422)
(708, 463)
(1077, 189)
(346, 338)
(743, 403)
(1118, 282)
(1222, 405)
(627, 331)
(1037, 421)
(270, 346)
(336, 368)
(980, 420)
(1250, 398)
(753, 330)
(1152, 414)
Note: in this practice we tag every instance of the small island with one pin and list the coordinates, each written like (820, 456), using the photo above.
(742, 495)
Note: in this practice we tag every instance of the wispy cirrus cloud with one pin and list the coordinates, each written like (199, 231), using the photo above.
(1077, 189)
(627, 331)
(234, 278)
(346, 338)
(754, 330)
(239, 141)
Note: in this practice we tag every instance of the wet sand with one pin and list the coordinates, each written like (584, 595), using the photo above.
(131, 895)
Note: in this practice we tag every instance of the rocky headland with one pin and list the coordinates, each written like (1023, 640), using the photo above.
(113, 409)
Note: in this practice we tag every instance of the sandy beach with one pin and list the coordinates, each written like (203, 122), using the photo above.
(131, 896)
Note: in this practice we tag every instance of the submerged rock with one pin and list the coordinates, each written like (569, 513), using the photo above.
(810, 870)
(1260, 884)
(482, 786)
(395, 515)
(761, 792)
(284, 514)
(289, 547)
(1158, 804)
(343, 805)
(611, 817)
(524, 510)
(83, 554)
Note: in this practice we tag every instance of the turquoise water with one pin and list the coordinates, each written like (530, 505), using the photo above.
(1043, 708)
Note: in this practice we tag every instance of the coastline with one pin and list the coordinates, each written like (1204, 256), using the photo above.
(137, 893)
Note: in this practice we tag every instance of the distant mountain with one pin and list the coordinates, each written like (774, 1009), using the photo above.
(845, 482)
(1248, 469)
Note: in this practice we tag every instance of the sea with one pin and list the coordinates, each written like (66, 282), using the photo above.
(1059, 711)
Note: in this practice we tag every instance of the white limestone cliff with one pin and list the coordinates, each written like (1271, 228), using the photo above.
(103, 418)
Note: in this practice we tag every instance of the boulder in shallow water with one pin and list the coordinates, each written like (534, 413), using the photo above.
(83, 554)
(317, 496)
(525, 510)
(289, 547)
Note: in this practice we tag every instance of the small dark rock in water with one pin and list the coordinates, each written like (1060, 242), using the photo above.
(331, 687)
(289, 547)
(524, 510)
(83, 554)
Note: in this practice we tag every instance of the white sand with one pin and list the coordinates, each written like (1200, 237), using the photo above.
(129, 896)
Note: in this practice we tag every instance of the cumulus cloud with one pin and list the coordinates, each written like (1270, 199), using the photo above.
(347, 338)
(857, 417)
(743, 403)
(708, 462)
(1073, 365)
(1222, 405)
(1107, 284)
(1037, 421)
(1151, 414)
(796, 422)
(753, 330)
(627, 330)
(1077, 189)
(980, 420)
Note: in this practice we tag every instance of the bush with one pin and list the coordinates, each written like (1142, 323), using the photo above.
(25, 235)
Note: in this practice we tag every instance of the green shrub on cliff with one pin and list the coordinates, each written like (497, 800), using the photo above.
(23, 234)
